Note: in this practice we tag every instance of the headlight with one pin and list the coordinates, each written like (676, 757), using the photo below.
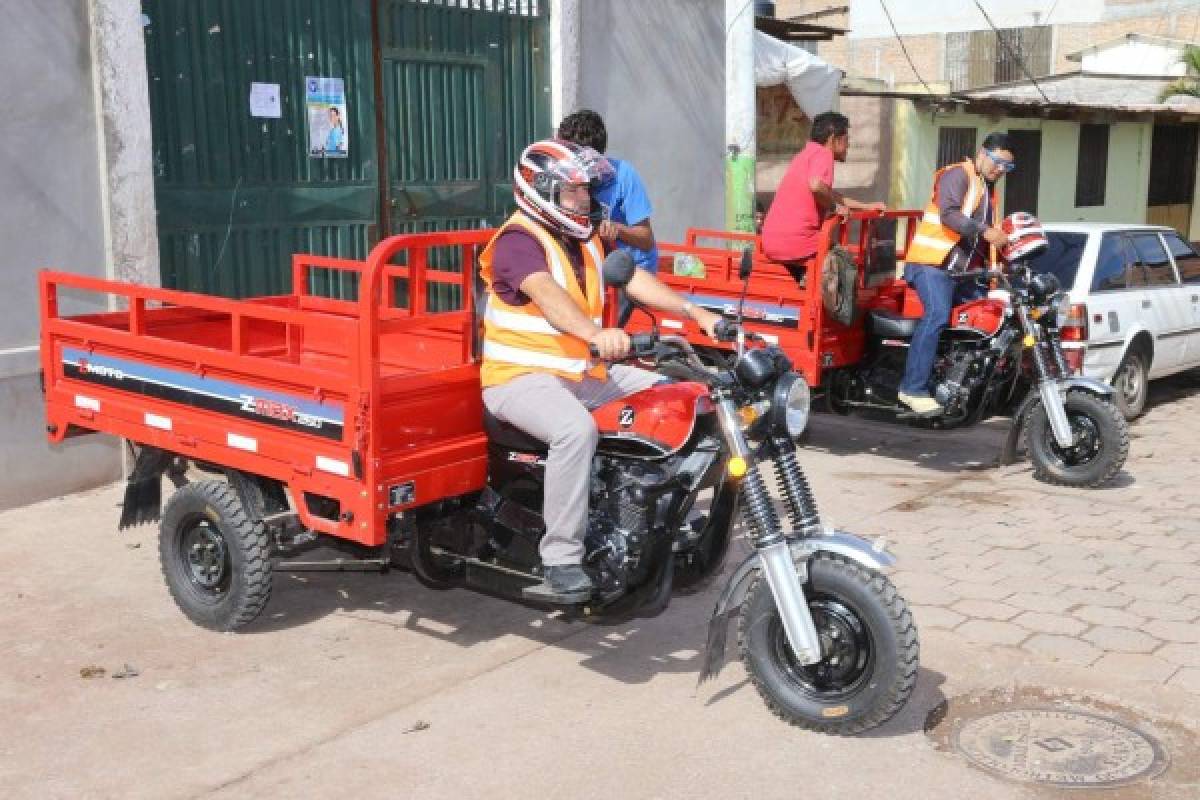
(790, 405)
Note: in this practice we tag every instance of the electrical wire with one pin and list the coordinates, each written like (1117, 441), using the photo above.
(907, 57)
(1053, 6)
(1004, 44)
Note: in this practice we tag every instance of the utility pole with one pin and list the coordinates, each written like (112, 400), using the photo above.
(740, 115)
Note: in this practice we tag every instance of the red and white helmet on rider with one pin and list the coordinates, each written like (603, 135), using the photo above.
(1025, 237)
(544, 168)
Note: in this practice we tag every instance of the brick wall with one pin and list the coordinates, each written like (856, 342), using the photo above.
(1072, 38)
(882, 57)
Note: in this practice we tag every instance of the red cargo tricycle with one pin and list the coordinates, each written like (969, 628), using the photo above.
(1003, 353)
(358, 422)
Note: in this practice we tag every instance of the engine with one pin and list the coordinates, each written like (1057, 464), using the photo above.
(958, 372)
(624, 502)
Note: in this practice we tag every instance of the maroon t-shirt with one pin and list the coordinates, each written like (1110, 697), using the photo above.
(518, 255)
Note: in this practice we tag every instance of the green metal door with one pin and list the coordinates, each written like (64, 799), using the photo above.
(237, 194)
(458, 86)
(465, 87)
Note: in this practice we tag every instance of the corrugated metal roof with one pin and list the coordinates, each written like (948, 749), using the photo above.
(1089, 90)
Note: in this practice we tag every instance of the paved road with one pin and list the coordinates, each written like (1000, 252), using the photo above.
(371, 686)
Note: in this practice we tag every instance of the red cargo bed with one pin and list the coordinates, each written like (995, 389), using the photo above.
(373, 402)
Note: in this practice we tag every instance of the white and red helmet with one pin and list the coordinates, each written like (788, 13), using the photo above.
(1025, 237)
(541, 172)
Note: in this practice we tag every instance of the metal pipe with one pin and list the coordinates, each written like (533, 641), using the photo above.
(780, 569)
(1056, 414)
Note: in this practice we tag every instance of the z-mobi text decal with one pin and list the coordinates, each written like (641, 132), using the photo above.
(752, 311)
(236, 399)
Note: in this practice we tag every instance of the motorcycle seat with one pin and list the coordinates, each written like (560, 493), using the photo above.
(890, 325)
(503, 434)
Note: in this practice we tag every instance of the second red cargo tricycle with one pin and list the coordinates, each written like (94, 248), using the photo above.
(1002, 353)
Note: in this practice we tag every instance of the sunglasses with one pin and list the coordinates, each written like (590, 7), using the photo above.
(1002, 164)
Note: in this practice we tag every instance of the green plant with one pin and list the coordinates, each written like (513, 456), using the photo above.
(1190, 84)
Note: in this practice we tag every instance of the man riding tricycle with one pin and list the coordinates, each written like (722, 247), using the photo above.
(999, 350)
(492, 446)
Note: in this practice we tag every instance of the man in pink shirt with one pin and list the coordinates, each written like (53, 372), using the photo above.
(806, 196)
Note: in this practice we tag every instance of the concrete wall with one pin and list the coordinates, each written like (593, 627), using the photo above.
(655, 72)
(54, 215)
(1128, 171)
(1136, 58)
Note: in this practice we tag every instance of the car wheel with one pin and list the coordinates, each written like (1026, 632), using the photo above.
(1131, 383)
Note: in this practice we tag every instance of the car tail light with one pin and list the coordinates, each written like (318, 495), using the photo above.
(1074, 358)
(1073, 323)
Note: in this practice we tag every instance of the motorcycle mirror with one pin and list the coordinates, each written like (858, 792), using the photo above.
(747, 265)
(618, 268)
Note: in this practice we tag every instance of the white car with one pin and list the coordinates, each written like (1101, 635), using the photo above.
(1135, 303)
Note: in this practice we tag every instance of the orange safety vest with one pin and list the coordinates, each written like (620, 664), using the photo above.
(519, 339)
(933, 241)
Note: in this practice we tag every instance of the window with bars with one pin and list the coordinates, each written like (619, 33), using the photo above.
(981, 58)
(1091, 171)
(955, 144)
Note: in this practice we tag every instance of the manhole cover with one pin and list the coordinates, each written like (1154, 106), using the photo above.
(1059, 748)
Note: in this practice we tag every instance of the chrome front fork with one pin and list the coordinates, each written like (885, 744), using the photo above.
(1048, 387)
(1056, 413)
(766, 532)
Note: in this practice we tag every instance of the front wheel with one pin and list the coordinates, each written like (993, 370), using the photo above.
(868, 643)
(1101, 442)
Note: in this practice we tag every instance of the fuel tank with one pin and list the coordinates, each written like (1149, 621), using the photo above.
(653, 423)
(984, 316)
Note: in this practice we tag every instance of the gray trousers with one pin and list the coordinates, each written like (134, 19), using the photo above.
(556, 411)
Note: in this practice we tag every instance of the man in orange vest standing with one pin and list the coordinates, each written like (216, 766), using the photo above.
(958, 231)
(544, 310)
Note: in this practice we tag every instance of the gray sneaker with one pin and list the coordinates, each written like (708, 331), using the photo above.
(566, 584)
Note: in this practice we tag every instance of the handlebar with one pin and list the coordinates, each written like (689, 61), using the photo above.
(645, 345)
(726, 330)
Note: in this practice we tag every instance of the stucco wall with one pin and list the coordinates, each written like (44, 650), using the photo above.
(655, 72)
(53, 216)
(1128, 169)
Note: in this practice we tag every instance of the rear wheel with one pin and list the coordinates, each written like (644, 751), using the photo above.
(215, 556)
(1101, 442)
(868, 643)
(1131, 383)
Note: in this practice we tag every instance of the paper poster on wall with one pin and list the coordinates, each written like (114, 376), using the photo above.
(325, 99)
(264, 100)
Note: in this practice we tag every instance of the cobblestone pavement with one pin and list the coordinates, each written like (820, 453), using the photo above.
(1106, 578)
(363, 685)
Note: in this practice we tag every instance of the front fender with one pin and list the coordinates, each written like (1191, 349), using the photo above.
(873, 556)
(1086, 384)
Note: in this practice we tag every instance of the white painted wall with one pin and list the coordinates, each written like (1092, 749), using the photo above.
(53, 189)
(1135, 58)
(656, 72)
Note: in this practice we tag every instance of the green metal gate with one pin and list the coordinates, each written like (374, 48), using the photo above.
(444, 93)
(465, 88)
